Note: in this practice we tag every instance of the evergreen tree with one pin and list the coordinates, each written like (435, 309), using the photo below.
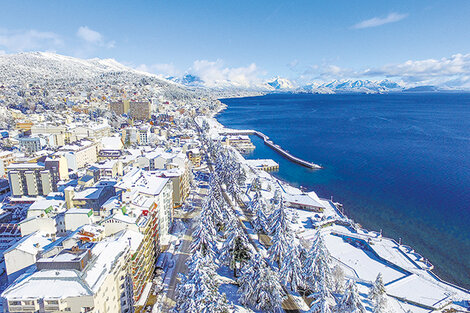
(280, 244)
(198, 290)
(291, 270)
(351, 302)
(259, 221)
(378, 296)
(378, 288)
(260, 286)
(324, 301)
(279, 220)
(204, 241)
(317, 271)
(235, 249)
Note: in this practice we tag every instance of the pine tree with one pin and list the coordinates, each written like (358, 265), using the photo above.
(378, 296)
(260, 286)
(351, 302)
(279, 220)
(259, 221)
(378, 288)
(204, 241)
(317, 271)
(280, 244)
(235, 249)
(291, 270)
(324, 301)
(198, 290)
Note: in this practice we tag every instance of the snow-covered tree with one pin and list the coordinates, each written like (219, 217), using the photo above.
(291, 270)
(235, 249)
(260, 286)
(323, 303)
(338, 279)
(260, 221)
(198, 290)
(279, 220)
(378, 288)
(378, 296)
(351, 302)
(204, 241)
(254, 203)
(280, 244)
(317, 266)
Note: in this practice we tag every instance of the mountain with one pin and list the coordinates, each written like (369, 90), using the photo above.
(356, 86)
(279, 83)
(187, 80)
(51, 71)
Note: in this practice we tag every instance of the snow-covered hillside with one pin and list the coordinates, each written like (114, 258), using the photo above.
(50, 71)
(36, 66)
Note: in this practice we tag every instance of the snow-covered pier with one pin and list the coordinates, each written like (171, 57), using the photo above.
(273, 146)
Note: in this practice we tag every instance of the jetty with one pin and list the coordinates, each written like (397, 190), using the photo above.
(272, 145)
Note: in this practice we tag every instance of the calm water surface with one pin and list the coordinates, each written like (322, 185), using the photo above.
(397, 162)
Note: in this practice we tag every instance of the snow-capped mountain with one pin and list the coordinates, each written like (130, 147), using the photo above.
(189, 80)
(360, 86)
(279, 83)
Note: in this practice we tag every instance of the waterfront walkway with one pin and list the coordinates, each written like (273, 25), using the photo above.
(273, 146)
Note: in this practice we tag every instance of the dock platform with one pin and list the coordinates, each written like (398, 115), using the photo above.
(273, 146)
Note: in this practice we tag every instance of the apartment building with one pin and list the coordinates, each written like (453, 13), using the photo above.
(6, 158)
(77, 280)
(80, 154)
(30, 179)
(139, 110)
(31, 144)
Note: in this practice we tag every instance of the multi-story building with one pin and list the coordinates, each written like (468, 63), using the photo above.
(144, 134)
(92, 130)
(139, 110)
(119, 107)
(57, 132)
(194, 155)
(31, 144)
(80, 154)
(6, 158)
(58, 167)
(138, 186)
(30, 179)
(77, 280)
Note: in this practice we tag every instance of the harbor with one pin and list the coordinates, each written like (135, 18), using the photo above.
(272, 145)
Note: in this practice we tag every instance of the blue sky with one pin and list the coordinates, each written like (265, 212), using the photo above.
(412, 41)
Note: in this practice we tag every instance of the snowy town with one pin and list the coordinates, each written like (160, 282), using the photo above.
(121, 192)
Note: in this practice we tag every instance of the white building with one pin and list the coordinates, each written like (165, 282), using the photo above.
(80, 154)
(23, 254)
(77, 281)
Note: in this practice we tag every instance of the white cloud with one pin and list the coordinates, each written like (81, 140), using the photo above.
(93, 37)
(27, 40)
(453, 71)
(215, 74)
(378, 21)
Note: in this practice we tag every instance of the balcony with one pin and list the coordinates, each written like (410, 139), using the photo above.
(23, 308)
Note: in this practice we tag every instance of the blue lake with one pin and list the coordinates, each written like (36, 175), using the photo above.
(397, 162)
